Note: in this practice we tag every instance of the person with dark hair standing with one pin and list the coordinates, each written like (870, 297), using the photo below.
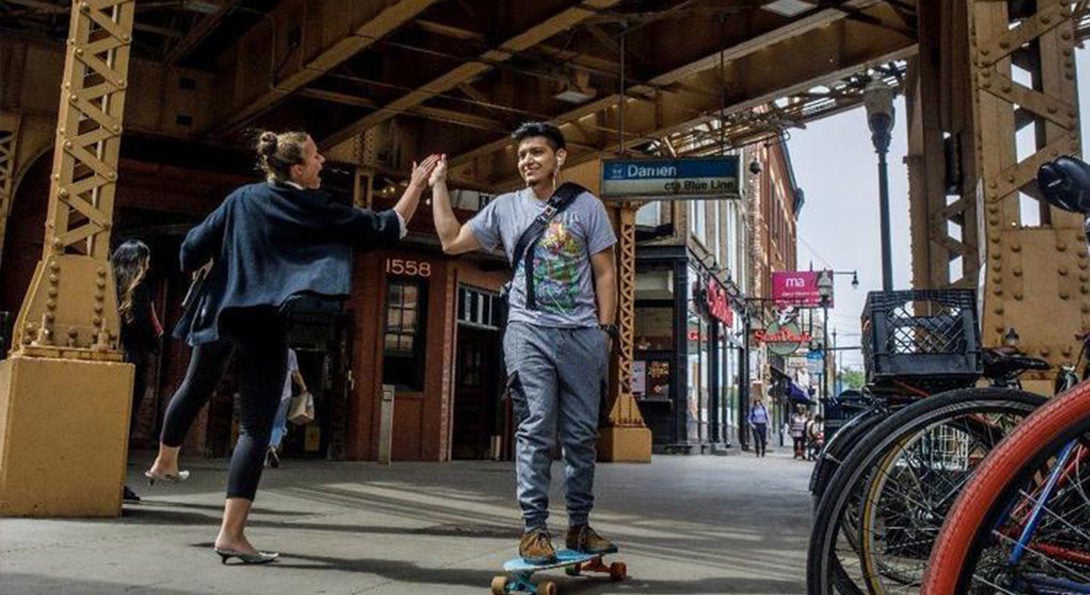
(270, 243)
(140, 328)
(563, 299)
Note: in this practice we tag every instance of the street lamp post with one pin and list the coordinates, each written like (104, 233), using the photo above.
(825, 291)
(825, 294)
(878, 99)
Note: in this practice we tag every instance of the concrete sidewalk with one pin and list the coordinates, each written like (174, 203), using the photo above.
(697, 524)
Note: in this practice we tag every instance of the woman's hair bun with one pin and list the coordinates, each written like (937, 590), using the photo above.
(266, 143)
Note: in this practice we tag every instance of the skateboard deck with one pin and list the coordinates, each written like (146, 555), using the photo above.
(520, 572)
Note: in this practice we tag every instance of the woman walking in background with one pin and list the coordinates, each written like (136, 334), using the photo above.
(270, 243)
(280, 425)
(758, 421)
(140, 328)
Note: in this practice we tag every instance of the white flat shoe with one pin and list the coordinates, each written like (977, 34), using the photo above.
(166, 477)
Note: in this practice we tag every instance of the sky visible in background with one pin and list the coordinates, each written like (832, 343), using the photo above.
(838, 227)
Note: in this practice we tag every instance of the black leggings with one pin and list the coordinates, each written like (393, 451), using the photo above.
(260, 341)
(207, 363)
(760, 438)
(139, 360)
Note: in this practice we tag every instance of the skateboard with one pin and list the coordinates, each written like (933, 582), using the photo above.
(520, 572)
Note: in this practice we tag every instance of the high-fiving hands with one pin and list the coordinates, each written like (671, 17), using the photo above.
(439, 174)
(422, 172)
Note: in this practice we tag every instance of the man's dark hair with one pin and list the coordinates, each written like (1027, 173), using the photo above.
(551, 133)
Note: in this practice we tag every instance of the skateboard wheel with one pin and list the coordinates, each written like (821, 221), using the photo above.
(499, 585)
(618, 571)
(547, 588)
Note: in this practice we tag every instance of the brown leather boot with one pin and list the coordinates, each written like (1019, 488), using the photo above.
(536, 547)
(583, 539)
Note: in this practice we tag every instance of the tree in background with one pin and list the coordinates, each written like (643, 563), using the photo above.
(851, 378)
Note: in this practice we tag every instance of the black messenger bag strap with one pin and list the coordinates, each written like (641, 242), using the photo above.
(561, 198)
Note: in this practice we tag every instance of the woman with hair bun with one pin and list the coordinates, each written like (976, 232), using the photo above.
(270, 243)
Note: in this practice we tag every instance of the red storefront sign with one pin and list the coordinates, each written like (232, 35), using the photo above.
(718, 303)
(782, 339)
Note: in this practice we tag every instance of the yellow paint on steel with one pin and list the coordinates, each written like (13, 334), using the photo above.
(9, 137)
(72, 292)
(1031, 269)
(64, 395)
(63, 441)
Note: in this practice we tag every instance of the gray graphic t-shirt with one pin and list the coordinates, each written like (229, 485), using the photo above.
(563, 279)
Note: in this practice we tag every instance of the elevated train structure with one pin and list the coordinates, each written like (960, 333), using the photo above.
(174, 89)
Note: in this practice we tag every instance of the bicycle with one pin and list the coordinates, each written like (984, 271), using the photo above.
(853, 542)
(1022, 525)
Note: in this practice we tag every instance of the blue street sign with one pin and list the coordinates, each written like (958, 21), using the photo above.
(815, 354)
(698, 177)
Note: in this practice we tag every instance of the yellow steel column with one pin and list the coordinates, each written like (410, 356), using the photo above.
(64, 393)
(626, 438)
(1035, 256)
(942, 185)
(9, 143)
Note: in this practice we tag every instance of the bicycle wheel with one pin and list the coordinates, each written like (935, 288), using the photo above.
(977, 549)
(834, 560)
(911, 488)
(840, 447)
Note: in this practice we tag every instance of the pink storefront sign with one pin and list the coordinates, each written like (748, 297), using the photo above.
(797, 288)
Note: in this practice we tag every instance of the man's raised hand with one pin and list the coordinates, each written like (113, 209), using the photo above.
(423, 171)
(439, 174)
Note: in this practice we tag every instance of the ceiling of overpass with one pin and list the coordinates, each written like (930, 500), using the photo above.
(457, 75)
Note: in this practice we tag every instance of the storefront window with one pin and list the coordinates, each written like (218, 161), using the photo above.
(699, 368)
(653, 335)
(404, 338)
(654, 328)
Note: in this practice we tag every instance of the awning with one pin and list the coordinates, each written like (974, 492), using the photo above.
(798, 394)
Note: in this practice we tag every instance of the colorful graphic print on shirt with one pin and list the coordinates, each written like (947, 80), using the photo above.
(556, 268)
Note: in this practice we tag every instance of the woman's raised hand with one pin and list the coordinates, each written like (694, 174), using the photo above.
(423, 171)
(439, 174)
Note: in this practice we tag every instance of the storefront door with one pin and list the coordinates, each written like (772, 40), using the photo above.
(475, 393)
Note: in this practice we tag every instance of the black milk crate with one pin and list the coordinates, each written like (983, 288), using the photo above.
(924, 338)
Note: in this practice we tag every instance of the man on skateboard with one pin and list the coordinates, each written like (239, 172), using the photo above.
(562, 303)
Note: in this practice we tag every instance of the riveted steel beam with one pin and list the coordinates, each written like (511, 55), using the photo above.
(1035, 255)
(686, 96)
(9, 137)
(302, 53)
(72, 291)
(467, 71)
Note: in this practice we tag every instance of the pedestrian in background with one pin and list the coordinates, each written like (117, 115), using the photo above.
(280, 426)
(140, 328)
(799, 421)
(815, 436)
(758, 422)
(270, 243)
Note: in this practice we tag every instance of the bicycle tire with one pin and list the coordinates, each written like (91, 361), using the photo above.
(825, 574)
(838, 449)
(982, 501)
(923, 470)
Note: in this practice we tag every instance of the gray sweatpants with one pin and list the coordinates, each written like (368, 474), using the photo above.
(556, 379)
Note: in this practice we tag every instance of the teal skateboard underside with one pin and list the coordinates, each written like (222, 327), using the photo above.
(563, 558)
(520, 573)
